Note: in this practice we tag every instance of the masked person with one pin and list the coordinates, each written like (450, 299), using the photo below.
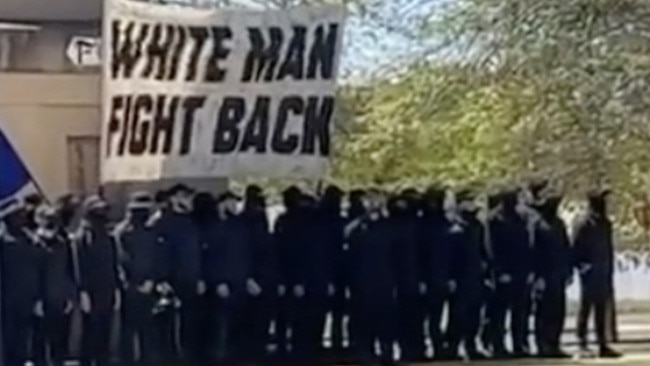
(137, 244)
(467, 242)
(262, 307)
(231, 278)
(182, 269)
(594, 257)
(513, 268)
(309, 280)
(553, 271)
(283, 234)
(374, 277)
(99, 281)
(404, 223)
(21, 277)
(58, 289)
(440, 285)
(331, 225)
(491, 332)
(355, 210)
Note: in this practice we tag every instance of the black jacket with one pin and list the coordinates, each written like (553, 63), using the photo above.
(180, 250)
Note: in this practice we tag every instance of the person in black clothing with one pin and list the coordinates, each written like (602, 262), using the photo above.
(58, 289)
(468, 251)
(374, 277)
(492, 332)
(181, 271)
(331, 226)
(513, 269)
(138, 263)
(594, 258)
(440, 285)
(404, 221)
(309, 279)
(231, 277)
(282, 233)
(553, 271)
(98, 265)
(21, 282)
(355, 210)
(262, 307)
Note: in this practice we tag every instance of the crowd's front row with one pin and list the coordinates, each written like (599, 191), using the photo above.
(198, 281)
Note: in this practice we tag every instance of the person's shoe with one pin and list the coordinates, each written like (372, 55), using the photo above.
(475, 355)
(586, 352)
(606, 352)
(521, 353)
(557, 353)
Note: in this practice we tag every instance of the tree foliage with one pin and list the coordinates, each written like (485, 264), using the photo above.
(512, 89)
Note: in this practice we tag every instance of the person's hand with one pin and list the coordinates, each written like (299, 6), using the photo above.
(282, 290)
(253, 287)
(505, 278)
(490, 283)
(201, 287)
(531, 278)
(422, 288)
(84, 302)
(331, 290)
(39, 309)
(69, 306)
(223, 291)
(298, 291)
(118, 300)
(540, 285)
(584, 268)
(164, 288)
(146, 287)
(451, 286)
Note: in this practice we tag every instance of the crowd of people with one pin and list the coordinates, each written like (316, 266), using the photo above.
(203, 280)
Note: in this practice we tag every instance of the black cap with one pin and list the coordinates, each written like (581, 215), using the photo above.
(254, 190)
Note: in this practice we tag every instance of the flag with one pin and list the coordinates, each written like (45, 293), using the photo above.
(16, 182)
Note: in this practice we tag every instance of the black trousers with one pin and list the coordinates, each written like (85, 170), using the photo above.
(549, 317)
(594, 295)
(17, 325)
(96, 328)
(51, 332)
(438, 296)
(137, 330)
(194, 330)
(465, 315)
(376, 321)
(339, 309)
(307, 321)
(513, 298)
(411, 326)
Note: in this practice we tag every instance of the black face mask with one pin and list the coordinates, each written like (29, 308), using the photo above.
(598, 205)
(140, 216)
(98, 217)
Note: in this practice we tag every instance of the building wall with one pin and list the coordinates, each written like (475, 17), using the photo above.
(39, 112)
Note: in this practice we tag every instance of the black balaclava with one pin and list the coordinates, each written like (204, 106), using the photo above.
(463, 197)
(356, 208)
(510, 201)
(398, 206)
(31, 204)
(434, 201)
(255, 202)
(413, 200)
(330, 203)
(598, 203)
(97, 216)
(549, 208)
(291, 198)
(204, 207)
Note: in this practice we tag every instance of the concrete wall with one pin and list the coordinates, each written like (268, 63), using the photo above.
(39, 111)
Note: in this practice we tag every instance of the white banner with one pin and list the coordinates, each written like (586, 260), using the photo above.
(196, 93)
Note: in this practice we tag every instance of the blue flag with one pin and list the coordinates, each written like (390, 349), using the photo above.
(15, 180)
